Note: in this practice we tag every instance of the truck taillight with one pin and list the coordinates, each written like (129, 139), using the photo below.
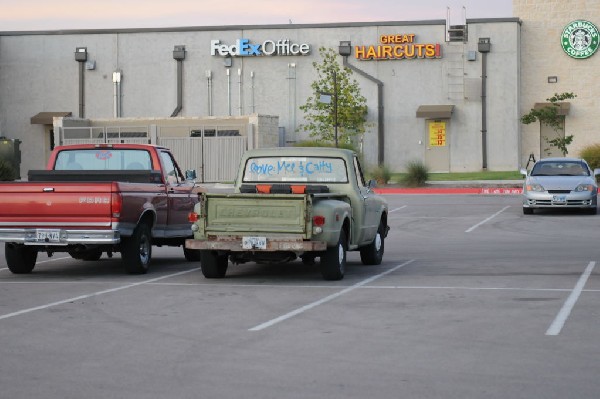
(192, 217)
(116, 205)
(318, 220)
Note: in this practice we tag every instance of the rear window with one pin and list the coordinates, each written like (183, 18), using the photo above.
(103, 159)
(295, 170)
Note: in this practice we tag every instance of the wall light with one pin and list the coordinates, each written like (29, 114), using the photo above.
(552, 79)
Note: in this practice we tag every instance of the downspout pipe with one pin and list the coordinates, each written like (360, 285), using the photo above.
(117, 93)
(484, 110)
(179, 56)
(484, 47)
(81, 90)
(81, 58)
(380, 114)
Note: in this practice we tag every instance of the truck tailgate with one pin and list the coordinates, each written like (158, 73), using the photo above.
(55, 204)
(231, 214)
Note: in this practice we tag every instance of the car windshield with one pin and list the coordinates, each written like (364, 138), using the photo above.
(560, 168)
(103, 159)
(295, 169)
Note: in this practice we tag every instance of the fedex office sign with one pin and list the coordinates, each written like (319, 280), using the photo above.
(245, 48)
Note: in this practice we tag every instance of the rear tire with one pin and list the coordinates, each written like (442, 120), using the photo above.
(372, 254)
(333, 260)
(136, 250)
(213, 264)
(20, 259)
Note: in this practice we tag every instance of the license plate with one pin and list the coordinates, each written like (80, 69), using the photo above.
(254, 242)
(559, 198)
(47, 235)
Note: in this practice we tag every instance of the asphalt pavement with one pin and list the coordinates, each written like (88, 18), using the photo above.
(491, 187)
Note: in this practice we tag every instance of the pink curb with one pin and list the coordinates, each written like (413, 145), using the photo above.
(451, 190)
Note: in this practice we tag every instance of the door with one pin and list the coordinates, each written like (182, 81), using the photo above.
(437, 148)
(181, 199)
(371, 207)
(548, 133)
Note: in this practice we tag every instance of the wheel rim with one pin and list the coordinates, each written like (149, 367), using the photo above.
(340, 254)
(378, 242)
(144, 250)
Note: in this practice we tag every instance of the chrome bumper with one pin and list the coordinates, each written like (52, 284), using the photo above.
(65, 237)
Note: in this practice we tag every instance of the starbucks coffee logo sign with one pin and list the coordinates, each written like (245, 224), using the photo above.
(580, 39)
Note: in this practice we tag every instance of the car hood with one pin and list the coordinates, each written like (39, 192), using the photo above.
(560, 182)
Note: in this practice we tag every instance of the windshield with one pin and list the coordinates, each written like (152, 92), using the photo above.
(295, 169)
(103, 159)
(560, 168)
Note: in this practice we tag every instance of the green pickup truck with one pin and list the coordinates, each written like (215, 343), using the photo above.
(288, 203)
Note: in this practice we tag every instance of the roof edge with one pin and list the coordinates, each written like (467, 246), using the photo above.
(246, 27)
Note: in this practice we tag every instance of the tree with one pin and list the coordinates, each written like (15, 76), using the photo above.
(347, 106)
(549, 116)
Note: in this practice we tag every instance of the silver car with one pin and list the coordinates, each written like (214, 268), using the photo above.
(560, 183)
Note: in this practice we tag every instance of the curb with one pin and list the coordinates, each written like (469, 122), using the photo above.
(451, 190)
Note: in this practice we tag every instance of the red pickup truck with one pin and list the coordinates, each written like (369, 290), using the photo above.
(92, 199)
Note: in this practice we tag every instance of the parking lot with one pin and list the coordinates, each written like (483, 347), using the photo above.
(473, 300)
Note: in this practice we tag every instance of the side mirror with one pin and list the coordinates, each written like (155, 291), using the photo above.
(190, 174)
(524, 172)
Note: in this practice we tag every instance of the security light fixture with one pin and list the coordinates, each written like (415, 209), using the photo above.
(345, 48)
(81, 54)
(228, 61)
(484, 45)
(179, 53)
(552, 79)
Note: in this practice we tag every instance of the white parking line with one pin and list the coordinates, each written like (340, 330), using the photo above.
(565, 311)
(397, 209)
(326, 299)
(43, 261)
(486, 220)
(49, 305)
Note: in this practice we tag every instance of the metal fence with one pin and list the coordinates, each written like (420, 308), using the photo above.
(214, 152)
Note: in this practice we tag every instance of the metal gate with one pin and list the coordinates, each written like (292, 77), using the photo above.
(213, 152)
(215, 159)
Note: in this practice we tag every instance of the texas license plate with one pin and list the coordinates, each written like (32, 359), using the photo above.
(47, 235)
(559, 199)
(254, 242)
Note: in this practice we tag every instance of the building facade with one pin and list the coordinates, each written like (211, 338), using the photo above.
(551, 64)
(422, 80)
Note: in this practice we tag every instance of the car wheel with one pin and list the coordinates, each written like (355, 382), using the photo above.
(333, 260)
(20, 259)
(213, 264)
(528, 211)
(136, 250)
(372, 254)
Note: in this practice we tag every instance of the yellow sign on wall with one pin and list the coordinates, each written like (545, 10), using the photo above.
(437, 134)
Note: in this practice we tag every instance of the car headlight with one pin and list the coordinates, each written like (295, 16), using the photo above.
(584, 187)
(534, 187)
